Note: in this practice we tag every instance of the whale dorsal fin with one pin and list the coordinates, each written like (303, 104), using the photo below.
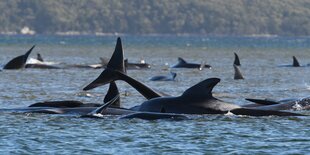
(201, 90)
(39, 57)
(295, 62)
(238, 75)
(104, 106)
(19, 61)
(112, 92)
(237, 61)
(181, 61)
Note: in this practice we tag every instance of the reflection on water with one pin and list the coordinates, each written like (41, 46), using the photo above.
(38, 133)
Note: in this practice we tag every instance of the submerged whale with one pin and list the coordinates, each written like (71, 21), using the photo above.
(294, 64)
(76, 107)
(103, 110)
(184, 64)
(38, 63)
(285, 104)
(196, 100)
(19, 61)
(170, 77)
(141, 65)
(129, 65)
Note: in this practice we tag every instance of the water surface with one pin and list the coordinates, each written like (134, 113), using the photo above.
(209, 134)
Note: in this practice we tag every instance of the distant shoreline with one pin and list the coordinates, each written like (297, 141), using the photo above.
(73, 33)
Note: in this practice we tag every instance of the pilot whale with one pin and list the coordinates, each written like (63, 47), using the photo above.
(285, 104)
(195, 100)
(184, 64)
(101, 111)
(19, 61)
(294, 64)
(76, 107)
(171, 77)
(39, 63)
(129, 65)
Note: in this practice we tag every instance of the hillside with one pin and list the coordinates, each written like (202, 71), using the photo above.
(215, 17)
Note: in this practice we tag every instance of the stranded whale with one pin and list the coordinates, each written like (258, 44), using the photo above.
(285, 104)
(184, 64)
(170, 77)
(195, 100)
(294, 64)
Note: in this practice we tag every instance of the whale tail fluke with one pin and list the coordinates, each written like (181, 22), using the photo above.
(238, 75)
(237, 61)
(19, 61)
(295, 62)
(112, 92)
(116, 65)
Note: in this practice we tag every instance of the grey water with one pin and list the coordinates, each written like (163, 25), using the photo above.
(207, 134)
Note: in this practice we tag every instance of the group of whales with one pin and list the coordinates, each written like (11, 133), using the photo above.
(20, 62)
(198, 99)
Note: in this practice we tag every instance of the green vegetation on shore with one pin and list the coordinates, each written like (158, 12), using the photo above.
(216, 17)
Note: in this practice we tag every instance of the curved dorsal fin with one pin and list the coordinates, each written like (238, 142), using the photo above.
(112, 92)
(237, 61)
(39, 57)
(19, 61)
(181, 61)
(295, 62)
(238, 75)
(202, 90)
